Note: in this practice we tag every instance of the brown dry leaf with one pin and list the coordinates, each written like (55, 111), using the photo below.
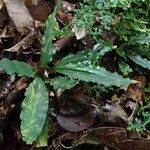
(20, 15)
(132, 97)
(136, 91)
(77, 123)
(5, 85)
(64, 15)
(137, 144)
(114, 114)
(74, 137)
(63, 42)
(1, 4)
(38, 9)
(8, 102)
(3, 33)
(3, 14)
(24, 43)
(111, 136)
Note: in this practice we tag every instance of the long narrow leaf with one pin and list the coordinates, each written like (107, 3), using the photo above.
(93, 74)
(140, 61)
(49, 49)
(14, 66)
(142, 39)
(34, 112)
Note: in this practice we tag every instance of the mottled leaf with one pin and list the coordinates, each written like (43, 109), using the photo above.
(87, 72)
(42, 139)
(140, 61)
(49, 49)
(63, 83)
(104, 48)
(92, 55)
(143, 39)
(14, 66)
(34, 112)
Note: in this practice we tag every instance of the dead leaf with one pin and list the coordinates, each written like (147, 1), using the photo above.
(77, 123)
(79, 34)
(75, 138)
(24, 43)
(38, 9)
(8, 102)
(20, 15)
(1, 4)
(114, 114)
(137, 144)
(63, 41)
(132, 97)
(3, 15)
(111, 136)
(64, 14)
(4, 86)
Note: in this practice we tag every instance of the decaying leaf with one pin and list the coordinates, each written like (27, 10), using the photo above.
(35, 8)
(133, 96)
(64, 15)
(6, 85)
(13, 94)
(19, 15)
(3, 14)
(137, 144)
(111, 136)
(4, 33)
(78, 122)
(136, 91)
(24, 43)
(114, 114)
(1, 4)
(79, 34)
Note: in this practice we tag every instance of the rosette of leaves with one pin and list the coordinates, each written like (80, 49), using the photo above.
(73, 68)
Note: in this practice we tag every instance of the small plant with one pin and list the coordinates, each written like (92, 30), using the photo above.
(142, 121)
(81, 66)
(130, 29)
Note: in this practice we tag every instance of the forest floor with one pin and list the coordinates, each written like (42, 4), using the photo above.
(74, 74)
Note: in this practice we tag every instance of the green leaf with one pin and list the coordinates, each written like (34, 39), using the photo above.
(90, 73)
(14, 66)
(34, 112)
(102, 48)
(82, 56)
(124, 68)
(88, 56)
(49, 49)
(63, 83)
(42, 139)
(121, 52)
(140, 61)
(142, 39)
